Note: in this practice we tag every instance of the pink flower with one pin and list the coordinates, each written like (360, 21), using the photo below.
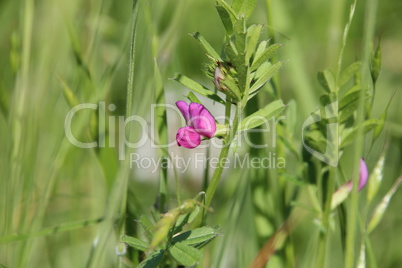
(199, 122)
(342, 193)
(188, 137)
(363, 175)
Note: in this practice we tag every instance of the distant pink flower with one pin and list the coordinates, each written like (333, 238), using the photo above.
(363, 175)
(199, 122)
(342, 193)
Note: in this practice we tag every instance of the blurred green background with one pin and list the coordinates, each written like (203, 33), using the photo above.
(57, 53)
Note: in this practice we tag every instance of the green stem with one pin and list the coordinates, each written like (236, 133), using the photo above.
(326, 218)
(224, 153)
(129, 100)
(371, 7)
(221, 164)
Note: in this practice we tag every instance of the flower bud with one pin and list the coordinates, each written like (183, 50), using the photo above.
(218, 76)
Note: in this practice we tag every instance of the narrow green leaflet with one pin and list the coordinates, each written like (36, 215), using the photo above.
(293, 179)
(240, 43)
(240, 25)
(135, 243)
(188, 218)
(348, 99)
(230, 51)
(375, 178)
(147, 225)
(240, 40)
(260, 49)
(269, 73)
(232, 87)
(382, 207)
(261, 70)
(327, 80)
(226, 18)
(253, 35)
(197, 237)
(317, 140)
(184, 219)
(228, 8)
(153, 260)
(340, 195)
(69, 95)
(349, 72)
(198, 88)
(348, 104)
(350, 135)
(244, 7)
(48, 231)
(379, 128)
(207, 47)
(376, 64)
(264, 56)
(289, 144)
(184, 254)
(193, 98)
(261, 116)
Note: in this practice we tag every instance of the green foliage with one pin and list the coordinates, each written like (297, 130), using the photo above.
(152, 260)
(264, 55)
(261, 116)
(265, 77)
(135, 243)
(382, 206)
(349, 72)
(244, 8)
(185, 254)
(197, 237)
(375, 178)
(198, 88)
(375, 65)
(207, 47)
(167, 233)
(65, 206)
(327, 80)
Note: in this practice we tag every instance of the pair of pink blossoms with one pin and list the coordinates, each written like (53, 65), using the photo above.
(200, 123)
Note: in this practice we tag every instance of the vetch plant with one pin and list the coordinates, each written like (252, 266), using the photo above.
(239, 73)
(287, 182)
(168, 237)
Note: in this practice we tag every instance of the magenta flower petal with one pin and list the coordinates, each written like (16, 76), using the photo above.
(188, 137)
(195, 109)
(363, 174)
(202, 120)
(184, 109)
